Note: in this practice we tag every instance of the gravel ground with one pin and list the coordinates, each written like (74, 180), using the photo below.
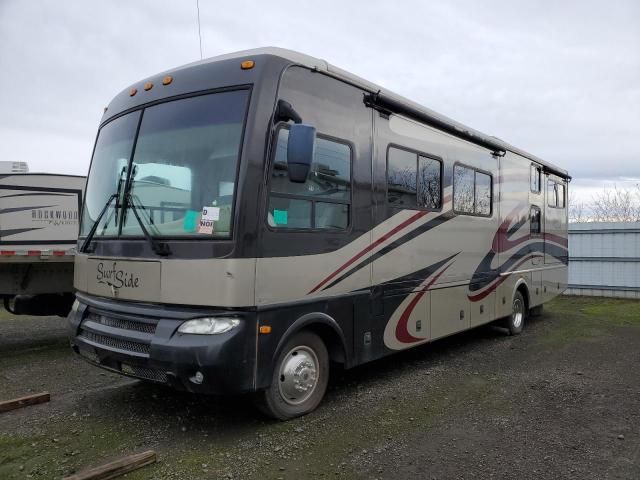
(562, 400)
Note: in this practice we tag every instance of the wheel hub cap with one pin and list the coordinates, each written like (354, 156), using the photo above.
(518, 311)
(298, 375)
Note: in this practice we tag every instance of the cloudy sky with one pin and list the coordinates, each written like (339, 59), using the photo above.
(558, 79)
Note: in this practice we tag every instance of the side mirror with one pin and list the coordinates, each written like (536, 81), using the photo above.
(300, 151)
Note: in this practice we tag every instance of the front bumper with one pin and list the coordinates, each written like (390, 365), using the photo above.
(142, 341)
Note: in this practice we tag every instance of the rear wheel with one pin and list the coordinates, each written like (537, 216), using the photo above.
(300, 377)
(515, 322)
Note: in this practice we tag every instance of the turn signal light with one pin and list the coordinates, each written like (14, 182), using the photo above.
(247, 64)
(264, 329)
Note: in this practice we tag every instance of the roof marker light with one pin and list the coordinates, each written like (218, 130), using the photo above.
(148, 86)
(133, 91)
(167, 80)
(247, 65)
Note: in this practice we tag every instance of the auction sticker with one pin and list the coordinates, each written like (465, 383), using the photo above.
(211, 213)
(205, 226)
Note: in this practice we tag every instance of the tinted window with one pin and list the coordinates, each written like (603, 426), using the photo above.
(289, 213)
(326, 192)
(560, 194)
(429, 194)
(552, 198)
(483, 194)
(108, 170)
(402, 178)
(186, 159)
(535, 220)
(463, 189)
(413, 180)
(471, 191)
(535, 179)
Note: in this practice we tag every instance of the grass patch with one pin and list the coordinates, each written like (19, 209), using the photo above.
(4, 315)
(68, 446)
(586, 318)
(309, 454)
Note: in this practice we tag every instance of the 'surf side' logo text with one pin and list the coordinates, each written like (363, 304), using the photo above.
(116, 278)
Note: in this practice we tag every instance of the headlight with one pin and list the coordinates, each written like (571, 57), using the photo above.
(209, 326)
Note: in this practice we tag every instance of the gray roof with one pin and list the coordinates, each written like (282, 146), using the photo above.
(326, 67)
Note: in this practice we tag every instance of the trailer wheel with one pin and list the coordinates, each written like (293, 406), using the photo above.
(515, 322)
(300, 377)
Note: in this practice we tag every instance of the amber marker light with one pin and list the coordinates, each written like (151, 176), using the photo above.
(247, 65)
(264, 329)
(167, 80)
(148, 86)
(133, 91)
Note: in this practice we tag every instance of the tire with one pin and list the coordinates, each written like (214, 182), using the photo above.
(514, 323)
(300, 378)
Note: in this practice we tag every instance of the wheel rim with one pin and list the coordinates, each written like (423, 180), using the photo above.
(518, 312)
(298, 376)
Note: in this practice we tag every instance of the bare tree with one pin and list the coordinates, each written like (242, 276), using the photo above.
(577, 210)
(616, 205)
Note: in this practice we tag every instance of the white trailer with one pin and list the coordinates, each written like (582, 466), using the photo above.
(38, 232)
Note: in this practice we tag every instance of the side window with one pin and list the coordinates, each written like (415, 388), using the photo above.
(535, 178)
(429, 177)
(483, 194)
(471, 191)
(552, 198)
(413, 180)
(402, 178)
(560, 194)
(463, 189)
(324, 200)
(535, 220)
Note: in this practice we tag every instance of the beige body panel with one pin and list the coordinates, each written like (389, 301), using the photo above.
(214, 282)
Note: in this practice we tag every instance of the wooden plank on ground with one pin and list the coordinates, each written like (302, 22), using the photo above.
(116, 468)
(34, 399)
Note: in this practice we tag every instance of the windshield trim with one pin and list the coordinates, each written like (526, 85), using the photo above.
(141, 109)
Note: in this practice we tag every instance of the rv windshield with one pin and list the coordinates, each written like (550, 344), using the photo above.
(182, 169)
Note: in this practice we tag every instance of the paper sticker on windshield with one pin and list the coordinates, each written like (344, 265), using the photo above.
(211, 213)
(280, 217)
(190, 221)
(205, 226)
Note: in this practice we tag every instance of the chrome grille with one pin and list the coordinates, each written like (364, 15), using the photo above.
(124, 324)
(115, 342)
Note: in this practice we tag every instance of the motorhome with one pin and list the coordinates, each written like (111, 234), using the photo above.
(39, 219)
(251, 219)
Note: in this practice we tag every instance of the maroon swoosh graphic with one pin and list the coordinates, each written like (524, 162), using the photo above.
(483, 294)
(370, 247)
(402, 332)
(501, 241)
(556, 239)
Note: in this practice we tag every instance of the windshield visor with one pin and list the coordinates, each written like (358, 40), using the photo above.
(180, 173)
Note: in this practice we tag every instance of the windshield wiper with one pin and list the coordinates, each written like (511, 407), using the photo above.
(94, 227)
(160, 248)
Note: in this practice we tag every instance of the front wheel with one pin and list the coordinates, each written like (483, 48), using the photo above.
(515, 322)
(300, 378)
